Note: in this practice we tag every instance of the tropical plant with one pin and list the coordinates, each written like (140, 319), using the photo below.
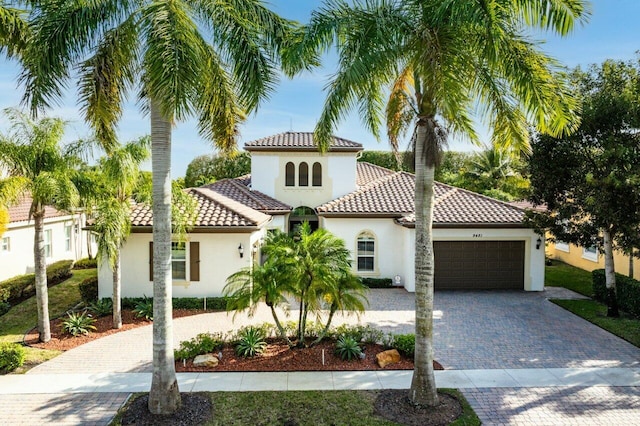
(250, 342)
(78, 323)
(41, 169)
(14, 30)
(214, 60)
(347, 348)
(11, 356)
(101, 308)
(144, 309)
(404, 343)
(119, 174)
(203, 343)
(441, 63)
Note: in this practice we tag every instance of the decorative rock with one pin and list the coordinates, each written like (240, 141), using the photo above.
(206, 360)
(388, 357)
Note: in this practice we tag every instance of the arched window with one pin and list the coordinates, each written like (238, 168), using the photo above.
(317, 174)
(303, 174)
(289, 174)
(366, 252)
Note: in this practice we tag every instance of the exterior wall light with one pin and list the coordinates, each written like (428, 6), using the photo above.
(241, 251)
(538, 243)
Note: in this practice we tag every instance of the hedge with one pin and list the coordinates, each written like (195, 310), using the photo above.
(627, 291)
(89, 290)
(23, 287)
(213, 303)
(86, 263)
(11, 357)
(377, 282)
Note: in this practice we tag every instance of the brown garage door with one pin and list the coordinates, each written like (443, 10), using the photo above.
(479, 265)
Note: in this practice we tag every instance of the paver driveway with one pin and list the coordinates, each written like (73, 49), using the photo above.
(473, 330)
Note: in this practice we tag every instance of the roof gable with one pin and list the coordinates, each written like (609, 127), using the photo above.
(238, 190)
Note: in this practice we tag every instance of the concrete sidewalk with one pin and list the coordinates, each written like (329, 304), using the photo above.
(320, 380)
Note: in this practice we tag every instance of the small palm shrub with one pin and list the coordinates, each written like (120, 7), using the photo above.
(77, 324)
(11, 357)
(101, 308)
(203, 343)
(250, 342)
(144, 309)
(347, 348)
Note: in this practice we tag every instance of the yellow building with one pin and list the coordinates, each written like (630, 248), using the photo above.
(590, 258)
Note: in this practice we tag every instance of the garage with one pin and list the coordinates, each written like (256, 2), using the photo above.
(479, 265)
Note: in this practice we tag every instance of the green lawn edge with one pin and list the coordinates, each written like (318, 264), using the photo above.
(352, 407)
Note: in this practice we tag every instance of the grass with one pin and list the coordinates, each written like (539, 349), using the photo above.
(24, 316)
(576, 279)
(305, 408)
(626, 327)
(560, 274)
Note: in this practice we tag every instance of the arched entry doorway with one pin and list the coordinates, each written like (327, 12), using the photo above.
(303, 214)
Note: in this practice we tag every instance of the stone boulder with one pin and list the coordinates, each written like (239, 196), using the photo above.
(388, 357)
(206, 360)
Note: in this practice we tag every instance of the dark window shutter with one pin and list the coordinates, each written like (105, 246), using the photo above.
(151, 261)
(194, 261)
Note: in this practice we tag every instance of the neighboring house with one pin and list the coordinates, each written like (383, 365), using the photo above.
(63, 239)
(590, 258)
(480, 243)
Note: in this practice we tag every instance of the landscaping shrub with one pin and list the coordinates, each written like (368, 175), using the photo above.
(213, 303)
(4, 305)
(77, 324)
(144, 309)
(86, 263)
(4, 308)
(11, 357)
(627, 291)
(203, 343)
(347, 348)
(377, 282)
(251, 342)
(101, 308)
(89, 290)
(404, 343)
(23, 287)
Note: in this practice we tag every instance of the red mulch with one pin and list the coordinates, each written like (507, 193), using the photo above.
(277, 357)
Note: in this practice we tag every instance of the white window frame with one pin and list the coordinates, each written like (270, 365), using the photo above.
(366, 236)
(589, 254)
(5, 246)
(185, 261)
(562, 246)
(68, 236)
(48, 243)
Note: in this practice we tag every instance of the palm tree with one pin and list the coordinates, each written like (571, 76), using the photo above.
(39, 168)
(442, 64)
(120, 172)
(211, 59)
(14, 30)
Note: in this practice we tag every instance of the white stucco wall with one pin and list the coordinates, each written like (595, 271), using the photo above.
(395, 247)
(19, 259)
(338, 176)
(219, 258)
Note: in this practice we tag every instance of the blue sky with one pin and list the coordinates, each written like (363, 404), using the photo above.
(612, 32)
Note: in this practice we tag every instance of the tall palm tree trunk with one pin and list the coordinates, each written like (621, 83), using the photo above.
(610, 276)
(164, 396)
(423, 389)
(40, 269)
(117, 296)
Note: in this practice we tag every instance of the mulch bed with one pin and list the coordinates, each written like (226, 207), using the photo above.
(394, 405)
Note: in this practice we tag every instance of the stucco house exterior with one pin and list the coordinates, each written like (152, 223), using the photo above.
(64, 238)
(480, 243)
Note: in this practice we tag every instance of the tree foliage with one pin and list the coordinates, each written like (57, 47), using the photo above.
(206, 169)
(589, 181)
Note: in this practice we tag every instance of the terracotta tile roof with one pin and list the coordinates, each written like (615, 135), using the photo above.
(237, 191)
(528, 205)
(214, 210)
(367, 173)
(298, 141)
(20, 211)
(393, 195)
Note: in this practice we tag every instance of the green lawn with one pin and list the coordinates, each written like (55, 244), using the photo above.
(576, 279)
(24, 316)
(562, 275)
(305, 408)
